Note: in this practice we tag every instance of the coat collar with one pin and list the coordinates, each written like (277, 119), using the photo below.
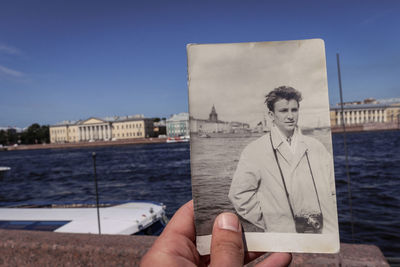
(285, 151)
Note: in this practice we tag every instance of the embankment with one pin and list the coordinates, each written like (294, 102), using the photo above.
(30, 248)
(367, 127)
(90, 144)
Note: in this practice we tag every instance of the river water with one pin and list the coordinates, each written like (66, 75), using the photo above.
(161, 172)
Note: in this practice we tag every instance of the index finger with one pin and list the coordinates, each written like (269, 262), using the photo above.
(182, 223)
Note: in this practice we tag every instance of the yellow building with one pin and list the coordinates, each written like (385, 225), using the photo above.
(368, 111)
(95, 129)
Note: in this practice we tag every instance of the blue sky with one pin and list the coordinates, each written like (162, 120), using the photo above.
(70, 60)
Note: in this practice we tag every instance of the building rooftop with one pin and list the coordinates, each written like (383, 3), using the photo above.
(109, 119)
(368, 103)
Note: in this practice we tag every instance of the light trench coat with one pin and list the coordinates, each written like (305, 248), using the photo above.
(257, 191)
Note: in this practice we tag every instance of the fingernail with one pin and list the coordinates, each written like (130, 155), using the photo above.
(228, 221)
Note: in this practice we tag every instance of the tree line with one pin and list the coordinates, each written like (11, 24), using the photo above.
(34, 134)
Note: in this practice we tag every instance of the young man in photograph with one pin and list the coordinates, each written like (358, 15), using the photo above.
(282, 181)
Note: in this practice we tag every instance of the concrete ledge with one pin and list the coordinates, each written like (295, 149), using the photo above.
(30, 248)
(350, 255)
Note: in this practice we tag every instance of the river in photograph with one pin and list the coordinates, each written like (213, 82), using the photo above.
(161, 173)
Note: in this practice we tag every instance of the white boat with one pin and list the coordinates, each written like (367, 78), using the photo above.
(132, 218)
(178, 139)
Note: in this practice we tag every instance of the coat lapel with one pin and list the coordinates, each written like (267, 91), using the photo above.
(301, 149)
(282, 148)
(270, 165)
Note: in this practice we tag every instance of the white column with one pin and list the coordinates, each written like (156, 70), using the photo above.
(337, 118)
(350, 120)
(384, 116)
(344, 117)
(355, 116)
(350, 116)
(362, 116)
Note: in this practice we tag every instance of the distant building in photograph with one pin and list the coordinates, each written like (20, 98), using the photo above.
(369, 114)
(105, 129)
(178, 125)
(214, 125)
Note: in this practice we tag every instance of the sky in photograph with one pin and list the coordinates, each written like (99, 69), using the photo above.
(71, 60)
(236, 77)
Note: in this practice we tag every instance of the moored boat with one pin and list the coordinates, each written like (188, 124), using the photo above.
(178, 139)
(131, 218)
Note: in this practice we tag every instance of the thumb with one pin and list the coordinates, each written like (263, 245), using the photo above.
(226, 243)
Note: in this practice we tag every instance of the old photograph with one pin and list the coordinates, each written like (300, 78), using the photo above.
(261, 144)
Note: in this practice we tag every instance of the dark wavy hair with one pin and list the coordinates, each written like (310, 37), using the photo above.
(281, 92)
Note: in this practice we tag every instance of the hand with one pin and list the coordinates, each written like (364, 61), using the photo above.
(176, 245)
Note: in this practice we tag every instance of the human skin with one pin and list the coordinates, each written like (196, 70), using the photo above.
(176, 245)
(285, 115)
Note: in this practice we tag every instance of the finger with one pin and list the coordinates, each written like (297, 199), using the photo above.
(182, 223)
(175, 246)
(276, 260)
(226, 243)
(250, 256)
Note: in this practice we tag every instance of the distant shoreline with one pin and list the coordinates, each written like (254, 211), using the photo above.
(367, 127)
(88, 144)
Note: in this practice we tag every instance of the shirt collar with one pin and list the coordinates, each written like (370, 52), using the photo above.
(278, 138)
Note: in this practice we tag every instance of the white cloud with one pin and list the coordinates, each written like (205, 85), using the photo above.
(10, 72)
(9, 50)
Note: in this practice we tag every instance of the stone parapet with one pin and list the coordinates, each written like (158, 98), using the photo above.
(30, 248)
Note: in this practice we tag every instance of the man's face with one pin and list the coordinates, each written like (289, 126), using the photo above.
(285, 115)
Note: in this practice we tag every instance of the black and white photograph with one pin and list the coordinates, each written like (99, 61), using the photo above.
(261, 144)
